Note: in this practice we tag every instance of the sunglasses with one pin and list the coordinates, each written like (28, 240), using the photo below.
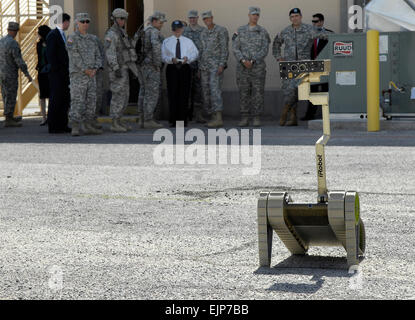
(84, 21)
(316, 21)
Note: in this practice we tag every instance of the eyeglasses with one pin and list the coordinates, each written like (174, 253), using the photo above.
(122, 18)
(84, 21)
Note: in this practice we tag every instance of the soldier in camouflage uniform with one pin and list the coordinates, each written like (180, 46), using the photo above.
(151, 69)
(100, 84)
(213, 62)
(250, 46)
(298, 40)
(121, 58)
(84, 61)
(193, 31)
(10, 62)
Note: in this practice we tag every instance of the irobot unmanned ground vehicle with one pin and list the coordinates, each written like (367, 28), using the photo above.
(335, 219)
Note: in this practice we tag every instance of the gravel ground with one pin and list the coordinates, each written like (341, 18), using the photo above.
(95, 218)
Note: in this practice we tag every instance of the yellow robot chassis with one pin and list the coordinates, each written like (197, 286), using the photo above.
(335, 219)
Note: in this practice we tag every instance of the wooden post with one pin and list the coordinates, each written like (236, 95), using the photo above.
(39, 9)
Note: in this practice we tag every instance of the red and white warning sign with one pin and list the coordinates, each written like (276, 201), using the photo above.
(344, 49)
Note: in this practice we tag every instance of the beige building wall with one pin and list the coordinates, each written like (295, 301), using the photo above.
(234, 13)
(228, 13)
(98, 10)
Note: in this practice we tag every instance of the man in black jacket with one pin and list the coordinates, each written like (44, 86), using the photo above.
(58, 59)
(318, 46)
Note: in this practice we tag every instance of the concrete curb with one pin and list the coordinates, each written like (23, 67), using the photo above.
(361, 125)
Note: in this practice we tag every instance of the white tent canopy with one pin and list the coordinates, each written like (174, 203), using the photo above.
(390, 15)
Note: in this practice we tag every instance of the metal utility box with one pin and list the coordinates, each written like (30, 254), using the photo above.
(348, 78)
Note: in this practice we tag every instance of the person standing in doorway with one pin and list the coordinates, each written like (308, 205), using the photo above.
(43, 69)
(178, 52)
(121, 58)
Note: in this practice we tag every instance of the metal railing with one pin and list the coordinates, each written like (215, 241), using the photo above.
(30, 14)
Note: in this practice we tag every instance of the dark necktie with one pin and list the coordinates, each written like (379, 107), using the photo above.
(315, 48)
(178, 50)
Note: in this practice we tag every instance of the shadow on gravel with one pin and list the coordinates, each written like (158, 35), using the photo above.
(316, 267)
(271, 135)
(298, 288)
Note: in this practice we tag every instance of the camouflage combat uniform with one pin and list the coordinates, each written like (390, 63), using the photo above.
(151, 72)
(121, 58)
(84, 54)
(251, 44)
(10, 62)
(214, 54)
(196, 86)
(100, 79)
(297, 46)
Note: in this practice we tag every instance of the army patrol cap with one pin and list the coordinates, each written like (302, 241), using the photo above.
(82, 17)
(120, 13)
(13, 26)
(295, 11)
(207, 14)
(193, 14)
(159, 16)
(254, 10)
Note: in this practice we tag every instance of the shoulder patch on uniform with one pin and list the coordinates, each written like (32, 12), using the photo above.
(108, 39)
(235, 35)
(70, 40)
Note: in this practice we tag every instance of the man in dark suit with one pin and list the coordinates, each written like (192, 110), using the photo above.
(318, 46)
(58, 59)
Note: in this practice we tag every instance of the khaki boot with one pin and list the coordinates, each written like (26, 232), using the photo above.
(90, 129)
(293, 118)
(141, 121)
(284, 115)
(199, 117)
(83, 127)
(212, 118)
(76, 130)
(96, 125)
(217, 121)
(116, 127)
(151, 124)
(257, 122)
(126, 125)
(244, 122)
(12, 123)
